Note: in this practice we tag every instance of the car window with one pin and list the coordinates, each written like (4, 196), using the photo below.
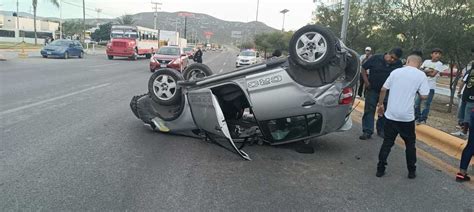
(247, 53)
(60, 43)
(169, 51)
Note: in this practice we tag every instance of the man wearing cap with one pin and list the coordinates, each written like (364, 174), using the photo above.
(431, 68)
(380, 66)
(363, 58)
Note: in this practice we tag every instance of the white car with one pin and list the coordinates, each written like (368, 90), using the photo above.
(247, 57)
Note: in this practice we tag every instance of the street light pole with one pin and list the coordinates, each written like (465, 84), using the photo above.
(284, 12)
(345, 21)
(60, 19)
(17, 18)
(83, 20)
(256, 17)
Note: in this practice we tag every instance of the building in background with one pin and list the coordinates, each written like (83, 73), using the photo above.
(10, 32)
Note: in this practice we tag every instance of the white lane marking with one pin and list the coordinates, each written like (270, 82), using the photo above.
(225, 63)
(52, 99)
(102, 65)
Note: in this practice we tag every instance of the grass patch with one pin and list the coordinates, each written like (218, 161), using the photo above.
(10, 45)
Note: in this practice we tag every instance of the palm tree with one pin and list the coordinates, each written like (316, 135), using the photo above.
(35, 4)
(126, 20)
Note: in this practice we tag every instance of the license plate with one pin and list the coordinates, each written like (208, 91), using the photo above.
(163, 65)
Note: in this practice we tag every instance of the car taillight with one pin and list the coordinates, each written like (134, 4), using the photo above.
(346, 96)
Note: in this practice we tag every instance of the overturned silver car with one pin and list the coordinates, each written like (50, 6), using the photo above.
(283, 100)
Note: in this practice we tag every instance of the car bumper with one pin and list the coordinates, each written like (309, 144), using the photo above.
(120, 53)
(156, 65)
(52, 53)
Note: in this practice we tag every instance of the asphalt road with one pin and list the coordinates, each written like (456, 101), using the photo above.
(70, 142)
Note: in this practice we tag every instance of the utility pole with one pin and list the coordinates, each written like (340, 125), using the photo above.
(60, 19)
(98, 10)
(256, 18)
(155, 15)
(83, 20)
(345, 21)
(17, 19)
(284, 12)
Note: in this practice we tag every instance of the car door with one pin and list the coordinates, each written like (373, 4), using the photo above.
(71, 48)
(209, 117)
(78, 47)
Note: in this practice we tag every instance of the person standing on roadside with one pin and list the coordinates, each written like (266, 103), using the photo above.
(363, 58)
(431, 68)
(403, 84)
(198, 55)
(380, 67)
(463, 115)
(467, 154)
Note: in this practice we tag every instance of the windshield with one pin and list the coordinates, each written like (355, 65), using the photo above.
(122, 34)
(247, 53)
(168, 51)
(60, 43)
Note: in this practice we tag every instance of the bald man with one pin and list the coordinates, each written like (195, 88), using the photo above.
(404, 84)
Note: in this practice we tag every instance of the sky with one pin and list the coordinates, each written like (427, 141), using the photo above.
(230, 10)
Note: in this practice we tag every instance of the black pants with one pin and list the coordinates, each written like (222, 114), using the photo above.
(468, 151)
(407, 132)
(361, 90)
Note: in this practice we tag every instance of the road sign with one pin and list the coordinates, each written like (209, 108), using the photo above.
(186, 14)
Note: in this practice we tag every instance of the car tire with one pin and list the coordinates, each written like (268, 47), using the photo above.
(81, 55)
(196, 71)
(110, 57)
(163, 86)
(312, 47)
(45, 56)
(66, 55)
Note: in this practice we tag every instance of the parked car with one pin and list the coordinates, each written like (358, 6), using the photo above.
(247, 57)
(63, 48)
(284, 100)
(169, 57)
(189, 51)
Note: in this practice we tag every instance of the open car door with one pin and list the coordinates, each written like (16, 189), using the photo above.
(209, 117)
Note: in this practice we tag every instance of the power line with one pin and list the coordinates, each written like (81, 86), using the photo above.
(87, 8)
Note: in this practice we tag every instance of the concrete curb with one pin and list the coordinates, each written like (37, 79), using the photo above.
(433, 137)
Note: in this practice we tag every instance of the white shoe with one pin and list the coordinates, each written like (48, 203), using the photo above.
(458, 133)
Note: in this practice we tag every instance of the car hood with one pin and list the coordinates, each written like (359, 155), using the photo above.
(165, 57)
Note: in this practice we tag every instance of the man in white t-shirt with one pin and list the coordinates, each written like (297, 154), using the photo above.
(404, 84)
(431, 68)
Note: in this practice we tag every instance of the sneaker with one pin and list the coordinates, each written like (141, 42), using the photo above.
(460, 177)
(412, 175)
(458, 133)
(365, 136)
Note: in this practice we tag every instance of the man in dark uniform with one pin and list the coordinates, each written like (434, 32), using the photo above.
(380, 67)
(198, 56)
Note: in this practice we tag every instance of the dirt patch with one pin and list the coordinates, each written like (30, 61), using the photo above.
(439, 116)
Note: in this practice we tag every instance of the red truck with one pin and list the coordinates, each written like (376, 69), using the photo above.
(131, 42)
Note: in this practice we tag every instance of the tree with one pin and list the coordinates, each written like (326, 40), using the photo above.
(35, 4)
(126, 20)
(73, 28)
(103, 33)
(269, 42)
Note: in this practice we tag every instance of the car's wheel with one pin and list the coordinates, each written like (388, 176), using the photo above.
(196, 71)
(148, 56)
(66, 55)
(45, 56)
(163, 86)
(312, 47)
(81, 55)
(110, 57)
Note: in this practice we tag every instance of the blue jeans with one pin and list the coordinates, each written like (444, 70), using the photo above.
(371, 99)
(461, 108)
(468, 151)
(423, 115)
